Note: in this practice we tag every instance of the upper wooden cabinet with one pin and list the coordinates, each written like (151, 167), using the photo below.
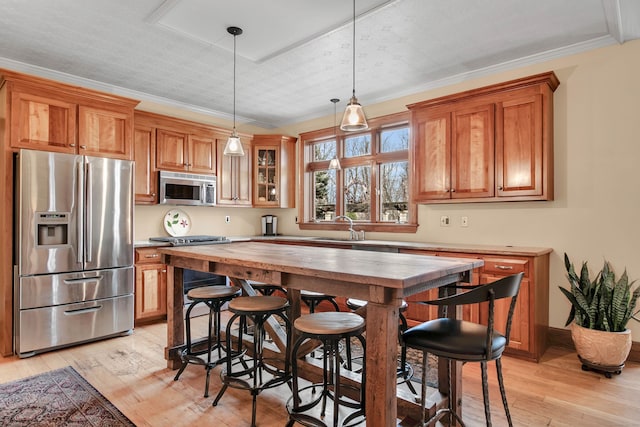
(274, 171)
(144, 155)
(234, 176)
(185, 152)
(181, 145)
(51, 116)
(488, 144)
(456, 155)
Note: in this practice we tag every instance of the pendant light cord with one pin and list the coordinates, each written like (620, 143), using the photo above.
(354, 48)
(234, 82)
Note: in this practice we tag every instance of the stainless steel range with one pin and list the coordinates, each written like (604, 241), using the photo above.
(191, 240)
(193, 278)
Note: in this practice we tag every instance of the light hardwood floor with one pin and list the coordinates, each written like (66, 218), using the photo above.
(131, 372)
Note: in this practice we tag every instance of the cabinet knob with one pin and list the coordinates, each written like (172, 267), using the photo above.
(453, 190)
(164, 271)
(153, 194)
(500, 188)
(72, 145)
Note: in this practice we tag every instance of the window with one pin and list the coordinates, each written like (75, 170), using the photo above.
(372, 186)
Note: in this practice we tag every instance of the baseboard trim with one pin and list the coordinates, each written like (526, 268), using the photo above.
(562, 338)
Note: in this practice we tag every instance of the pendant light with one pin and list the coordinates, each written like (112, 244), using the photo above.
(335, 163)
(354, 118)
(234, 145)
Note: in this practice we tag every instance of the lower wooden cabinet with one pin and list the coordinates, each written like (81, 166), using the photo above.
(151, 286)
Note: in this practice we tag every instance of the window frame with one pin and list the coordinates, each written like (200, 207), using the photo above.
(307, 167)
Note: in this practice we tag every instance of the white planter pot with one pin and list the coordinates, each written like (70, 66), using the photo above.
(607, 349)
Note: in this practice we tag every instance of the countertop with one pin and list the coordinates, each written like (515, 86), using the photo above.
(364, 244)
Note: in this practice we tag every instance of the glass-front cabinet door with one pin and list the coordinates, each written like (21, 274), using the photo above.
(267, 171)
(274, 171)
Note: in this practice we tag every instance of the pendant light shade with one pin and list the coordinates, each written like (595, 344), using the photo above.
(234, 145)
(335, 163)
(354, 118)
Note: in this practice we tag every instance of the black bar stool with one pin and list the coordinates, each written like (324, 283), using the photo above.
(312, 299)
(329, 328)
(214, 297)
(405, 370)
(266, 288)
(249, 376)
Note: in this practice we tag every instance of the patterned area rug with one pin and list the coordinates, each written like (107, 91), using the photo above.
(414, 359)
(57, 398)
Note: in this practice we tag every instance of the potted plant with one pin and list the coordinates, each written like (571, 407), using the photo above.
(600, 311)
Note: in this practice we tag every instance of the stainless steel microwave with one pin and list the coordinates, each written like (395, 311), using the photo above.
(191, 189)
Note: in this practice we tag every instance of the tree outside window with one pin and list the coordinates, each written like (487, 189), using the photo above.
(372, 186)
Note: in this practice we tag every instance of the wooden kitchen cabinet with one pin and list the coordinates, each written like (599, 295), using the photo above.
(105, 132)
(151, 285)
(488, 144)
(234, 178)
(51, 116)
(144, 155)
(274, 171)
(43, 123)
(185, 152)
(524, 158)
(181, 145)
(454, 152)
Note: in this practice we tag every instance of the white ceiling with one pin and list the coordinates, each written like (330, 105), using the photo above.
(295, 55)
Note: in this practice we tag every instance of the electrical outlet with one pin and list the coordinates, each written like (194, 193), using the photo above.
(464, 221)
(444, 221)
(227, 219)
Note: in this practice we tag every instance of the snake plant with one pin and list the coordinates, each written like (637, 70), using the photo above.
(605, 304)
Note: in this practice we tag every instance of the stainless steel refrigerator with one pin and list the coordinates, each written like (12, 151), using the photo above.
(74, 276)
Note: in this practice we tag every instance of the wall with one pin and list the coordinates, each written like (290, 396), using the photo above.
(204, 220)
(597, 197)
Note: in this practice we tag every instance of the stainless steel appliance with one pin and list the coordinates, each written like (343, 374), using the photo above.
(74, 250)
(178, 188)
(191, 240)
(269, 225)
(193, 278)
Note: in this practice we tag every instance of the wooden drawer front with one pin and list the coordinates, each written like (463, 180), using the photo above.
(148, 256)
(505, 266)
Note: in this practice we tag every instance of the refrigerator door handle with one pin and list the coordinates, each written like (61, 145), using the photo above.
(95, 279)
(80, 204)
(82, 310)
(89, 215)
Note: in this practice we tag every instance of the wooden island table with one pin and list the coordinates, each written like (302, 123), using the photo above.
(382, 279)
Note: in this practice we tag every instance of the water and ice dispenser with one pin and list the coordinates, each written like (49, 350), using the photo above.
(52, 228)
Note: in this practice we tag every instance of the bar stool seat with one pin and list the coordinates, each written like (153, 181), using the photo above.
(312, 299)
(261, 372)
(405, 369)
(329, 328)
(214, 297)
(266, 288)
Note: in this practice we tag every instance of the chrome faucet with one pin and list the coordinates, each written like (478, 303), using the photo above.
(353, 234)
